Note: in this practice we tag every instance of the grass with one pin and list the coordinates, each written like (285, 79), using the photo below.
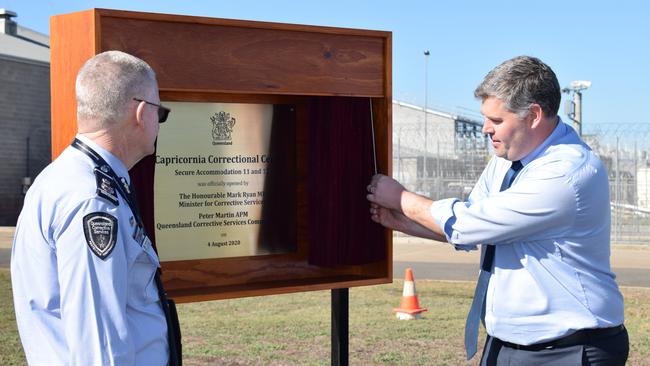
(295, 329)
(11, 352)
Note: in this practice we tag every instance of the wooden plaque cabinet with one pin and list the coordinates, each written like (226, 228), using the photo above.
(338, 80)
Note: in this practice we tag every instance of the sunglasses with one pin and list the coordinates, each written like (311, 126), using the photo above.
(163, 112)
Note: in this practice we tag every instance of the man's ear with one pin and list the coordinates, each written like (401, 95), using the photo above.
(536, 115)
(139, 113)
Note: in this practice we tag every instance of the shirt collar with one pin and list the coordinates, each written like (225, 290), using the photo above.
(116, 164)
(559, 131)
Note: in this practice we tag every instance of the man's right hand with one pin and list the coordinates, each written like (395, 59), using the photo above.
(385, 192)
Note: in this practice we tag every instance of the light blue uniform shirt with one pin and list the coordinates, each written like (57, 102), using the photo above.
(72, 307)
(551, 228)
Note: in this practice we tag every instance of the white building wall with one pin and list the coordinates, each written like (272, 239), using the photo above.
(643, 187)
(409, 130)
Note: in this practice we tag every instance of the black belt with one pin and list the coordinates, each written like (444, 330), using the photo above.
(583, 336)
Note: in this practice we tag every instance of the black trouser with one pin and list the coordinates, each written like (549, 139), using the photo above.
(610, 350)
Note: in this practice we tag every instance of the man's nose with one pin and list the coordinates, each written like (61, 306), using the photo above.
(487, 127)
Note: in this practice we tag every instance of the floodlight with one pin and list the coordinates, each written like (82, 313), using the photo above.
(580, 85)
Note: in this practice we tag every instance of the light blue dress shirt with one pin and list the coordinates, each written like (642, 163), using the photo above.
(72, 307)
(551, 228)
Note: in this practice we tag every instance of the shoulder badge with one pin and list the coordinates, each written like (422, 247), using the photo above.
(100, 230)
(105, 188)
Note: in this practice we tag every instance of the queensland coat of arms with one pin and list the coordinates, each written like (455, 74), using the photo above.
(222, 127)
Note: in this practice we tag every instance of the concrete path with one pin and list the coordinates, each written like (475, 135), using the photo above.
(6, 239)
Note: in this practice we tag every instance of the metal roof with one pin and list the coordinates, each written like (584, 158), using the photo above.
(22, 43)
(455, 117)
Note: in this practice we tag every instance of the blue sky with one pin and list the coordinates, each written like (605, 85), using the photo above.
(606, 42)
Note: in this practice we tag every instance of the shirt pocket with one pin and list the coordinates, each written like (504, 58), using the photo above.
(142, 285)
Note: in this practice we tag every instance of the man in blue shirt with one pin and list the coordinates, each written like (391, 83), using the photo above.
(83, 272)
(540, 211)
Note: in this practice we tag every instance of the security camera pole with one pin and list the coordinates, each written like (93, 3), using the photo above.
(426, 137)
(573, 107)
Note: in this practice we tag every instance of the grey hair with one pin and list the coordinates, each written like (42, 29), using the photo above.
(107, 82)
(521, 82)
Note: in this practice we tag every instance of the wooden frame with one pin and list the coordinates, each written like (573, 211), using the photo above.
(200, 59)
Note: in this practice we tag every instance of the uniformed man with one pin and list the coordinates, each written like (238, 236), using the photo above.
(84, 275)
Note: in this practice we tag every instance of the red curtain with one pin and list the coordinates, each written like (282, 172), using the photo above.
(341, 165)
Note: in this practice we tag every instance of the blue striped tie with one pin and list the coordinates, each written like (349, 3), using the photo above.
(478, 303)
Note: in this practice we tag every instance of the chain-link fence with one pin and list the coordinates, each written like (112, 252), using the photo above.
(457, 152)
(623, 147)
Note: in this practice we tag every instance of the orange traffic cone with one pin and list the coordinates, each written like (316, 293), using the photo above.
(409, 308)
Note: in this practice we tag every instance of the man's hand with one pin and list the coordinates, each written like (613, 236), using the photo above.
(385, 192)
(394, 207)
(398, 221)
(388, 218)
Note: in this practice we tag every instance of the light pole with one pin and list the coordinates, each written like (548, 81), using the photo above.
(573, 108)
(426, 95)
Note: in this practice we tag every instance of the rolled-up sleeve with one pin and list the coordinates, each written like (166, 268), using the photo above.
(539, 206)
(444, 216)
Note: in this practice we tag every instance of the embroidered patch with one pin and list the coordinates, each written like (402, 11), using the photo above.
(100, 230)
(105, 188)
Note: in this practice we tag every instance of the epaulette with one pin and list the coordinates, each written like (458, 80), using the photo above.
(105, 187)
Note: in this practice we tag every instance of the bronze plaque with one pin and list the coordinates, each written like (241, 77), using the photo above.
(218, 188)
